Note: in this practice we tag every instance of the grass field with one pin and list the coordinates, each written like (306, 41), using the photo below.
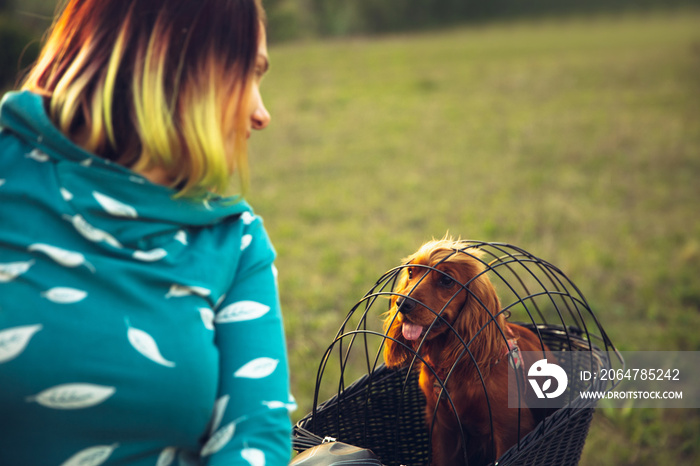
(577, 140)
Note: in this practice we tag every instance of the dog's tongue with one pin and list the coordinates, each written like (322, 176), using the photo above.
(411, 331)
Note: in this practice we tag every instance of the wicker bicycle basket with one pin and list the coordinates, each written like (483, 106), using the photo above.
(383, 409)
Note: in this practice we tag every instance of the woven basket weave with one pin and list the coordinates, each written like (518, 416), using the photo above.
(384, 409)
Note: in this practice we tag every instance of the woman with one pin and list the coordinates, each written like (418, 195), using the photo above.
(139, 314)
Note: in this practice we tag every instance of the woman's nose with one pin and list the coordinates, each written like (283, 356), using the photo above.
(260, 117)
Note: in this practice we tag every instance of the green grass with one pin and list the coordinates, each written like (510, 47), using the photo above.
(578, 141)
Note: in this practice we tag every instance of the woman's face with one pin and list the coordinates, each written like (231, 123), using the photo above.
(259, 116)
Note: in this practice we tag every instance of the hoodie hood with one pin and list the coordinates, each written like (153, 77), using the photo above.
(99, 194)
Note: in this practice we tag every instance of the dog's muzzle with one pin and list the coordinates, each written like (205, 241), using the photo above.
(405, 306)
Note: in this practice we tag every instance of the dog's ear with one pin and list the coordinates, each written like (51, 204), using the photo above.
(480, 320)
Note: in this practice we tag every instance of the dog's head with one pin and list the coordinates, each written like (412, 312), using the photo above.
(442, 294)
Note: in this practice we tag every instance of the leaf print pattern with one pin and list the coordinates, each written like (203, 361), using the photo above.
(167, 456)
(219, 301)
(73, 396)
(93, 456)
(207, 316)
(91, 233)
(218, 412)
(247, 218)
(275, 404)
(146, 345)
(65, 194)
(245, 241)
(38, 155)
(14, 340)
(219, 440)
(11, 270)
(150, 256)
(178, 291)
(257, 368)
(62, 256)
(241, 311)
(114, 207)
(181, 236)
(64, 295)
(253, 456)
(291, 406)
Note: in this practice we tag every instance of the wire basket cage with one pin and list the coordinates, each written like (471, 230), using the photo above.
(371, 405)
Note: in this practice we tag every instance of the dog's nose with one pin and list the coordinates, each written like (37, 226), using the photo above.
(405, 306)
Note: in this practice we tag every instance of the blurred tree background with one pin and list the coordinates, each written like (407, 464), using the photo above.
(22, 22)
(292, 19)
(21, 28)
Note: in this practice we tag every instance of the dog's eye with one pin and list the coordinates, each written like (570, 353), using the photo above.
(410, 273)
(445, 281)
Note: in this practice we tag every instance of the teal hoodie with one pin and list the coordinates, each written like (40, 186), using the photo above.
(134, 328)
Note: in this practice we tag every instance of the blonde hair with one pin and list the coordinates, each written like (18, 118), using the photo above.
(155, 84)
